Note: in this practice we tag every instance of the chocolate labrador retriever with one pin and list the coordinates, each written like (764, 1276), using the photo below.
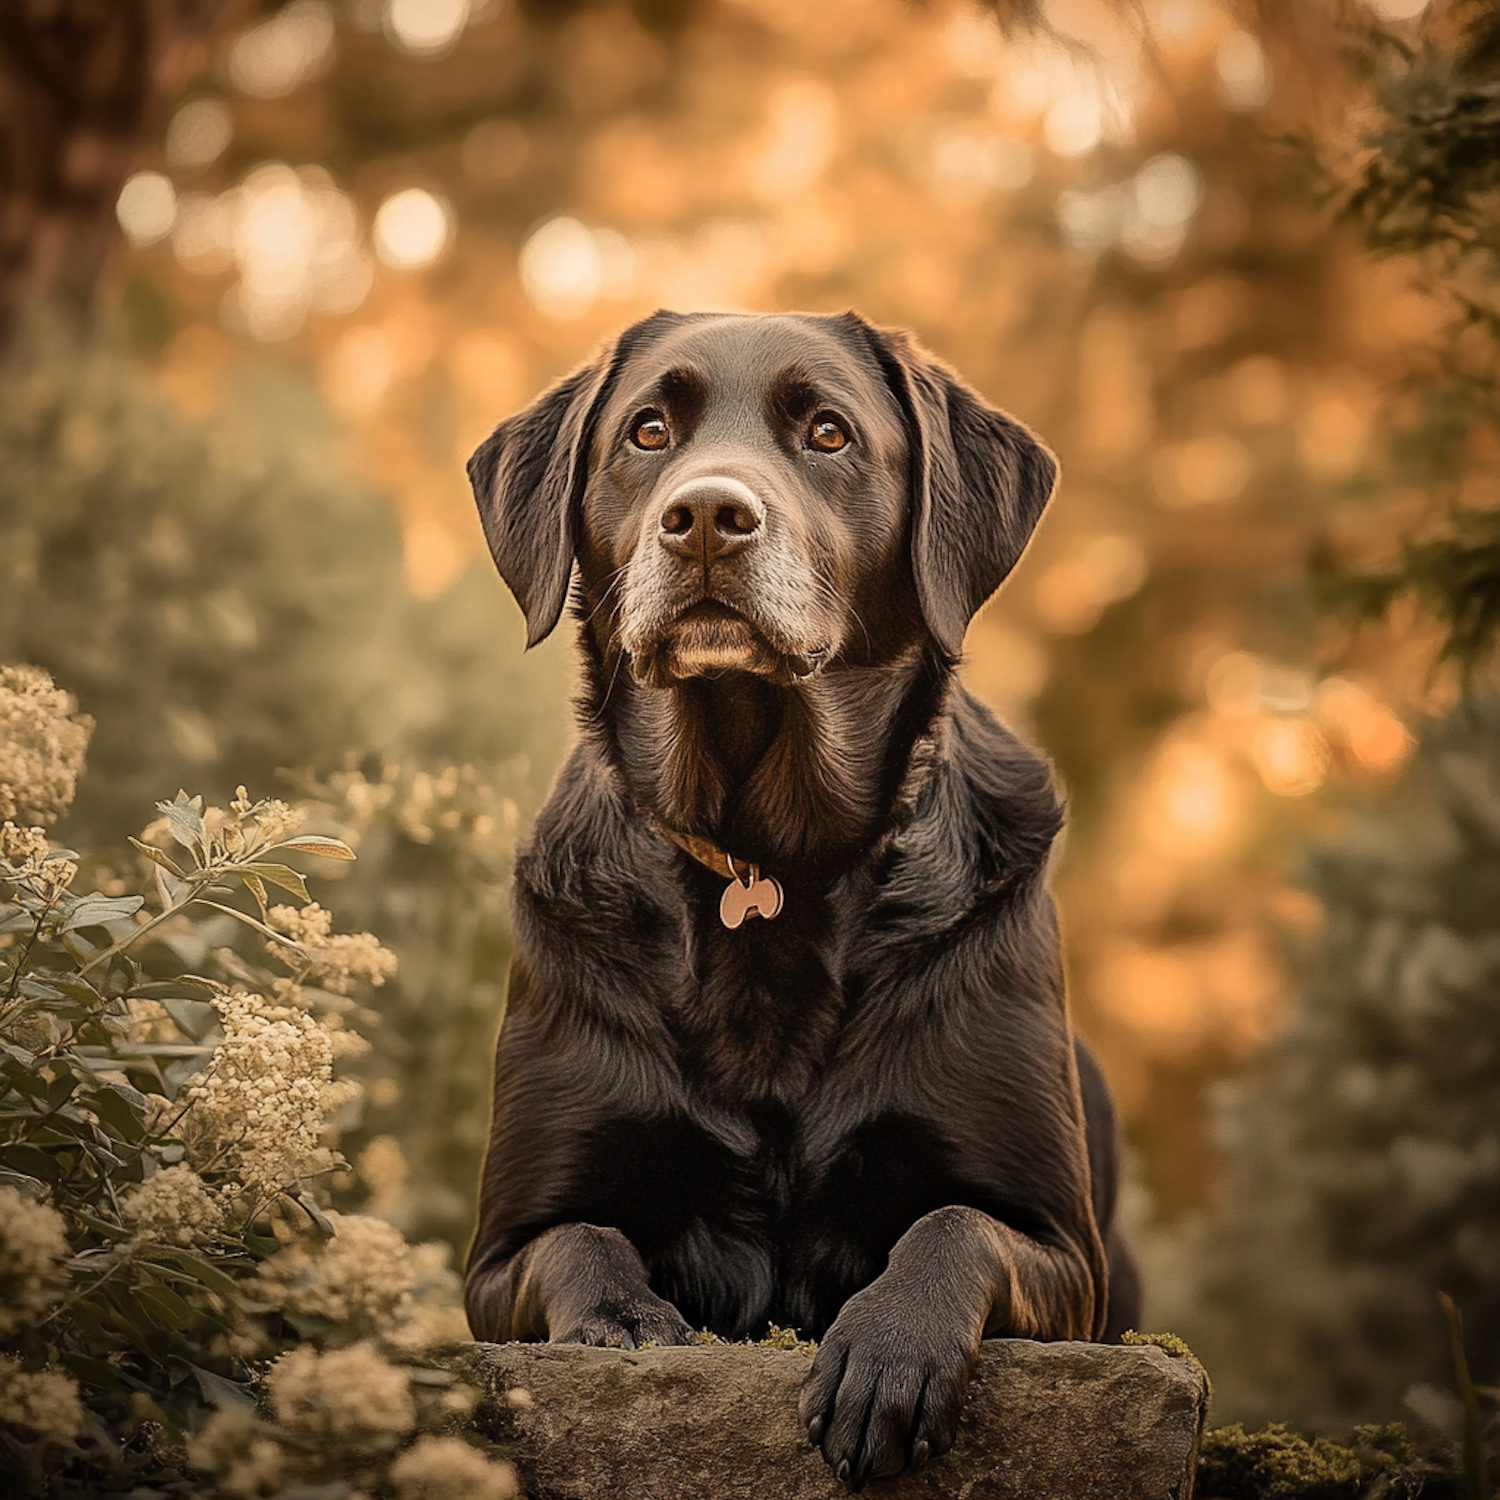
(786, 1038)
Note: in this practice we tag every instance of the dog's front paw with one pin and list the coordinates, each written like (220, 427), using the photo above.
(887, 1386)
(628, 1323)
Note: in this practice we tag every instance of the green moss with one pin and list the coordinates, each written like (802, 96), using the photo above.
(777, 1338)
(786, 1338)
(1169, 1343)
(1278, 1464)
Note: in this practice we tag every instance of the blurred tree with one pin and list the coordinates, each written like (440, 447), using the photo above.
(1368, 1165)
(1424, 188)
(83, 85)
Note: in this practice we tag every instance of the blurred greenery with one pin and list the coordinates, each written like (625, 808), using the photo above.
(1367, 1165)
(224, 595)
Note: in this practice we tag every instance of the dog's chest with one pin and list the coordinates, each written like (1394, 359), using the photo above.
(767, 1231)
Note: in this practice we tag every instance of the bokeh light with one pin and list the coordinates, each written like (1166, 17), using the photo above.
(412, 229)
(561, 267)
(273, 57)
(426, 28)
(1243, 72)
(198, 135)
(146, 208)
(295, 239)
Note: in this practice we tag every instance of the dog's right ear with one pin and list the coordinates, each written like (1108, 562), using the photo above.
(528, 477)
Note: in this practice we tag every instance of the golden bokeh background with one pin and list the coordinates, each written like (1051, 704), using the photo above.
(1104, 219)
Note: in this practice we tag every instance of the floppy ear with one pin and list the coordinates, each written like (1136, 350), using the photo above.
(980, 482)
(528, 477)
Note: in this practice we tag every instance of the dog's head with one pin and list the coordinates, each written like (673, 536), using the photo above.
(767, 495)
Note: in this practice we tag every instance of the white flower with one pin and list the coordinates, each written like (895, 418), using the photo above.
(43, 739)
(175, 1207)
(447, 1468)
(264, 1101)
(32, 1246)
(365, 1273)
(346, 1395)
(45, 1404)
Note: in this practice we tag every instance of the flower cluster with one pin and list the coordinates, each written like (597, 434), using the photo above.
(174, 1207)
(43, 739)
(32, 1246)
(236, 1450)
(31, 862)
(348, 1395)
(264, 1102)
(365, 1274)
(45, 1403)
(274, 820)
(333, 960)
(23, 848)
(447, 1468)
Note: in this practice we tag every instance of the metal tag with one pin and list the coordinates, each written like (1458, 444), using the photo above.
(759, 896)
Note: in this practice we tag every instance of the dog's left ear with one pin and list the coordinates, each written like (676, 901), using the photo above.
(528, 477)
(980, 482)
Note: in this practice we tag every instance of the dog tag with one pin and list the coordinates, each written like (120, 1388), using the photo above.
(759, 896)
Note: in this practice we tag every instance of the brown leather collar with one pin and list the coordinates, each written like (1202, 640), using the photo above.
(748, 894)
(708, 854)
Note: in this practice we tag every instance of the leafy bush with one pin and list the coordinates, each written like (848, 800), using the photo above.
(1368, 1164)
(230, 605)
(180, 1309)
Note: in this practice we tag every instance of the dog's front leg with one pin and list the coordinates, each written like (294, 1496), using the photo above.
(575, 1284)
(888, 1383)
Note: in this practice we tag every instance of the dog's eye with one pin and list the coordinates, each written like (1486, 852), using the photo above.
(651, 431)
(827, 434)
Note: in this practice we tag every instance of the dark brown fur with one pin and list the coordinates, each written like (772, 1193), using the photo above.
(866, 1119)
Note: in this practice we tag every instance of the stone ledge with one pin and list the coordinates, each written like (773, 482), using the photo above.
(1059, 1421)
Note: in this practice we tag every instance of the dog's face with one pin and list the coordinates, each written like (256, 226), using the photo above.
(747, 485)
(768, 495)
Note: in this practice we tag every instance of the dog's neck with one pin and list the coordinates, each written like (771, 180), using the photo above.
(797, 778)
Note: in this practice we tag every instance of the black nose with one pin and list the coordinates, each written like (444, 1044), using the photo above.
(710, 518)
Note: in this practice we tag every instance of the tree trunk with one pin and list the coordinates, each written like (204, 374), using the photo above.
(84, 85)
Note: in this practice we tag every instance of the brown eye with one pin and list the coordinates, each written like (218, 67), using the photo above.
(651, 431)
(827, 435)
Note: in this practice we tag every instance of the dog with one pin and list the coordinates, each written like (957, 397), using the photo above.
(786, 1038)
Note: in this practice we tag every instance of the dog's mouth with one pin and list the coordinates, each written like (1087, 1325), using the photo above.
(710, 638)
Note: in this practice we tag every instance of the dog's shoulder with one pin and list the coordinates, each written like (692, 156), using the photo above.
(591, 872)
(988, 810)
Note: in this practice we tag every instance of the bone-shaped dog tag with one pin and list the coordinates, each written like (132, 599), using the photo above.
(759, 896)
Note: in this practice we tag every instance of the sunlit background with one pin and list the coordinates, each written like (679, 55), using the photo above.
(435, 207)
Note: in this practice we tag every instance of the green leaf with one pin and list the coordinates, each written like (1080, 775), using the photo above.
(320, 1220)
(185, 817)
(218, 1391)
(100, 911)
(283, 875)
(114, 1232)
(121, 1109)
(204, 1273)
(315, 843)
(194, 1018)
(27, 1187)
(168, 890)
(166, 1308)
(158, 858)
(96, 1373)
(31, 1161)
(257, 889)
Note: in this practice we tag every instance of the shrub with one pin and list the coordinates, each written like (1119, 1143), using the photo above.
(1368, 1162)
(181, 1311)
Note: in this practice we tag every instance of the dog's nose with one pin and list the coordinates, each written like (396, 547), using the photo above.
(711, 517)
